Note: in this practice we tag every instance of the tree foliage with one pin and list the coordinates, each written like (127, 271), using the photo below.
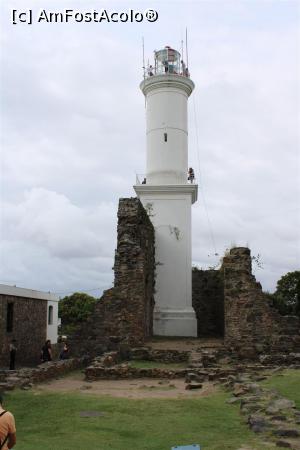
(287, 295)
(75, 308)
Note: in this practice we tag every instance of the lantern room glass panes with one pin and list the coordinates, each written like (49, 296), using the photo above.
(167, 60)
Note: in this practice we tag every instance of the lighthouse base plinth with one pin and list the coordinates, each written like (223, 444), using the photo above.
(175, 322)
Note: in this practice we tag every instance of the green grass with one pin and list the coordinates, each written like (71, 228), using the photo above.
(142, 364)
(287, 384)
(51, 421)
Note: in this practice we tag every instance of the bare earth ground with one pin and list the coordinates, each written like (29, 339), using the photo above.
(182, 344)
(140, 388)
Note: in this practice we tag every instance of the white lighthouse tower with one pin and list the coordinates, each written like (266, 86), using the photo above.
(166, 192)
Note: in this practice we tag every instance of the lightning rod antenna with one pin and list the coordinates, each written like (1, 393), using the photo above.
(143, 47)
(186, 48)
(144, 68)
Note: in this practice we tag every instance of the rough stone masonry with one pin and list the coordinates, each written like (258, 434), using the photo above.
(125, 312)
(252, 325)
(229, 302)
(30, 328)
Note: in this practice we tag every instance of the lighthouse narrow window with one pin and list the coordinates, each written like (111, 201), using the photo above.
(9, 317)
(166, 137)
(50, 315)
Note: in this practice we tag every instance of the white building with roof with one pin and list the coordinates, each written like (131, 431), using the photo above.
(28, 316)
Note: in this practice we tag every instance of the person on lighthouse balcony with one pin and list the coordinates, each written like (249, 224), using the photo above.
(191, 175)
(150, 71)
(183, 68)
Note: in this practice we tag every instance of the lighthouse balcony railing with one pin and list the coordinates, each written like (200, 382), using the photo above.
(140, 178)
(170, 70)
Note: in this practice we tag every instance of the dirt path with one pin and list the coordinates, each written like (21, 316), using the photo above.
(141, 388)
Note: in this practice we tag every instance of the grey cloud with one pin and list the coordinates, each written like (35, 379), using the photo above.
(73, 133)
(51, 221)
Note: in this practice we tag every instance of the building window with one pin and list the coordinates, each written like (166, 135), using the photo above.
(50, 315)
(10, 317)
(166, 137)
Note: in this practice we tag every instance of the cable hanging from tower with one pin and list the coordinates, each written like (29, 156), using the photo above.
(211, 232)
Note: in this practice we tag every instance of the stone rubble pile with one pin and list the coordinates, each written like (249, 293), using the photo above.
(265, 410)
(203, 365)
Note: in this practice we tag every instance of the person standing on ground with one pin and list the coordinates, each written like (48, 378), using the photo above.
(46, 353)
(64, 354)
(12, 354)
(7, 428)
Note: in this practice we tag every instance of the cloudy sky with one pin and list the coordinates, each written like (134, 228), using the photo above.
(73, 135)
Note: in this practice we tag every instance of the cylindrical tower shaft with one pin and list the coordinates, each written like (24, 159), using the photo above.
(167, 131)
(166, 193)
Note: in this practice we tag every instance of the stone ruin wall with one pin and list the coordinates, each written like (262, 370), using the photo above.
(230, 302)
(252, 325)
(124, 314)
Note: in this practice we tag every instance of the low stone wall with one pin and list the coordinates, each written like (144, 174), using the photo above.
(124, 371)
(111, 365)
(281, 359)
(207, 367)
(164, 356)
(97, 371)
(26, 377)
